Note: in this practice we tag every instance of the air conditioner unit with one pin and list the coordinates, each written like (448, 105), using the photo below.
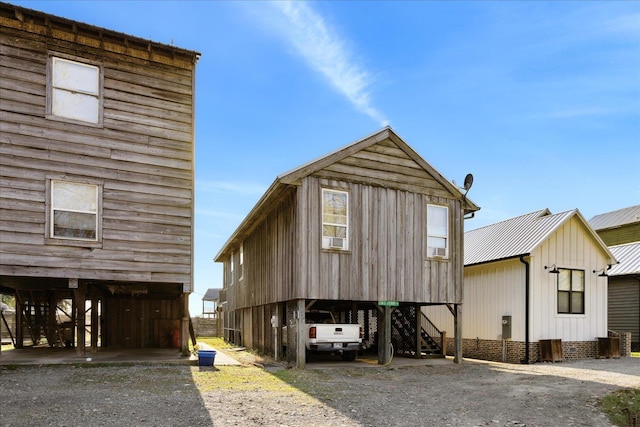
(336, 242)
(439, 252)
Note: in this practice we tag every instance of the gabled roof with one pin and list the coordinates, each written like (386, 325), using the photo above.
(617, 218)
(518, 236)
(294, 177)
(211, 295)
(628, 256)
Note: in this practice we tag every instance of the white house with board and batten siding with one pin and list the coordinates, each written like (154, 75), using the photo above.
(530, 279)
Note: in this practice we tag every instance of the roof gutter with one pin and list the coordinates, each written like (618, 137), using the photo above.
(527, 285)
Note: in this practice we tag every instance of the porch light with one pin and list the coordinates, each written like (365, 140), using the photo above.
(602, 271)
(553, 269)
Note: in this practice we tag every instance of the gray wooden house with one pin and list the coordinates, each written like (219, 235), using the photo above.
(96, 183)
(620, 230)
(371, 232)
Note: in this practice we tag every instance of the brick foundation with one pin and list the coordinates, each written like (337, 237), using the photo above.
(514, 351)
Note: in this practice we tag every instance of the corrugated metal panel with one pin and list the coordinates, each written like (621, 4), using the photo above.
(616, 218)
(511, 238)
(628, 257)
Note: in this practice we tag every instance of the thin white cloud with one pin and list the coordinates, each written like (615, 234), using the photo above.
(231, 187)
(325, 52)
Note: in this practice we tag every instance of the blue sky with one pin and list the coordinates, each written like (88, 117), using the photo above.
(539, 100)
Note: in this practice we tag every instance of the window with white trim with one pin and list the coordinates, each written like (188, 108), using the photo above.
(335, 219)
(437, 231)
(74, 91)
(231, 268)
(241, 266)
(74, 211)
(570, 291)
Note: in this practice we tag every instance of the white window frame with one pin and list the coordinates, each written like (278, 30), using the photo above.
(58, 90)
(241, 262)
(434, 233)
(231, 268)
(335, 242)
(53, 206)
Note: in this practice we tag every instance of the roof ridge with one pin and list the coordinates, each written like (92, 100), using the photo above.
(540, 211)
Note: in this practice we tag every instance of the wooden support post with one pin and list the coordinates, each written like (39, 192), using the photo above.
(19, 322)
(301, 359)
(457, 325)
(418, 354)
(95, 322)
(79, 299)
(53, 335)
(443, 342)
(384, 335)
(184, 330)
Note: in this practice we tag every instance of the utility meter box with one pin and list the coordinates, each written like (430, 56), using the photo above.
(506, 327)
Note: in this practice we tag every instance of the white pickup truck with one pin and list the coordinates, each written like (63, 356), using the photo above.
(323, 334)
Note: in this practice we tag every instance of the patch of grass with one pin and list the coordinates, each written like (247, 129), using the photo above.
(7, 347)
(215, 342)
(635, 354)
(619, 404)
(238, 378)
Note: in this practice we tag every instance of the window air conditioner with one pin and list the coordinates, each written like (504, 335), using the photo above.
(336, 242)
(439, 252)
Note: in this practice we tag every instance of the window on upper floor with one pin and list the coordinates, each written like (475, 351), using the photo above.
(437, 231)
(335, 219)
(231, 268)
(241, 266)
(74, 211)
(570, 291)
(74, 91)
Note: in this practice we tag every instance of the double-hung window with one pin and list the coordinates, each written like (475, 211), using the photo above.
(74, 91)
(335, 219)
(241, 267)
(437, 231)
(570, 291)
(74, 211)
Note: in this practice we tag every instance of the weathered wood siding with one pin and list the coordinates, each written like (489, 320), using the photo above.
(269, 256)
(387, 257)
(140, 322)
(142, 156)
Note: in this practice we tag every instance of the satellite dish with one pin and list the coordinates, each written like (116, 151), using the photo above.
(468, 181)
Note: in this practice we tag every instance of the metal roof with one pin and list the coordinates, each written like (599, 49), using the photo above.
(211, 294)
(629, 257)
(616, 218)
(513, 237)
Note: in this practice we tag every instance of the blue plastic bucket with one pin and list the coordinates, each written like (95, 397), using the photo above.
(206, 357)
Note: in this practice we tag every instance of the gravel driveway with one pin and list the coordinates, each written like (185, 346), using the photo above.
(427, 394)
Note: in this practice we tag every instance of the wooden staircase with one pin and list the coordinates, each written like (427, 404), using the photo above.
(404, 334)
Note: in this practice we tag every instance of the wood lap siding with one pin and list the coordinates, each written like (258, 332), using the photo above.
(387, 232)
(142, 154)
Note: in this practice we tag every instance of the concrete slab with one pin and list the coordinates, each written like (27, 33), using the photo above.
(57, 356)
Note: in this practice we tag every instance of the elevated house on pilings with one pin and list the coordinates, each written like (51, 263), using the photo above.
(96, 184)
(371, 232)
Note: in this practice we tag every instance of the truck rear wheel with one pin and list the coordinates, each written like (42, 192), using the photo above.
(349, 356)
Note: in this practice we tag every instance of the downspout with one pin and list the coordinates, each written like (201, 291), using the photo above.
(526, 310)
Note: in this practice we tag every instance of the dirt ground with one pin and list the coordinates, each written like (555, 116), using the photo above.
(328, 393)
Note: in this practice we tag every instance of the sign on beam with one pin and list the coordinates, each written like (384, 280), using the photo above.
(389, 303)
